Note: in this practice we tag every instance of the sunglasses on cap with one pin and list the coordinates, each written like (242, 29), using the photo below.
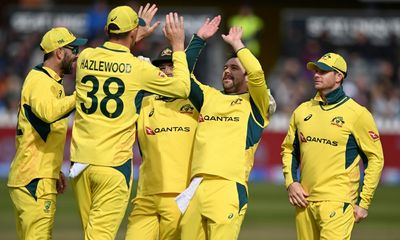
(74, 49)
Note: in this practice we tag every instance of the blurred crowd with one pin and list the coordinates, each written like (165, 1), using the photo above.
(373, 78)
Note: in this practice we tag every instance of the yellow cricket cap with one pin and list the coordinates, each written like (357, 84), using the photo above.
(329, 62)
(125, 18)
(59, 37)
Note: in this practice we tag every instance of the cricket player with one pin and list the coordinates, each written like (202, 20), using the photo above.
(328, 136)
(166, 128)
(110, 85)
(229, 130)
(35, 178)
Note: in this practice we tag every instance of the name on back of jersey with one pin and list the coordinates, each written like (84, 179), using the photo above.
(104, 66)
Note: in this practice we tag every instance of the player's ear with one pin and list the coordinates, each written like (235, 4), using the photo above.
(59, 53)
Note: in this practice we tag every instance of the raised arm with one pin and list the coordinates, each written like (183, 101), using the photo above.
(147, 13)
(198, 41)
(207, 30)
(256, 80)
(177, 86)
(174, 31)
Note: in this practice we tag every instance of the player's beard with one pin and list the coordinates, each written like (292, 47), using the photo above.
(66, 65)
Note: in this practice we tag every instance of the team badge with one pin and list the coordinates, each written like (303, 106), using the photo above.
(337, 121)
(373, 135)
(166, 52)
(150, 131)
(187, 108)
(327, 56)
(47, 205)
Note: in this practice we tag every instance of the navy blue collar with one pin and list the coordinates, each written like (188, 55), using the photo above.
(335, 96)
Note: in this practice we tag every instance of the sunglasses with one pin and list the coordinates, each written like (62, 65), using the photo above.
(74, 49)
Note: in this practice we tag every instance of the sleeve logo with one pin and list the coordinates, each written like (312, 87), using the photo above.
(373, 135)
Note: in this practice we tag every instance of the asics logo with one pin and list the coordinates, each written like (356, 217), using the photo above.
(308, 117)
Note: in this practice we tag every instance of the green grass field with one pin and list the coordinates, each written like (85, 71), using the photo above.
(269, 216)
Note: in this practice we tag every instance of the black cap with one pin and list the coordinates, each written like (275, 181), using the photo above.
(164, 56)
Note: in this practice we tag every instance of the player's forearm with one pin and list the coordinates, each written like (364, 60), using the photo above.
(51, 110)
(193, 51)
(181, 74)
(291, 154)
(252, 66)
(371, 180)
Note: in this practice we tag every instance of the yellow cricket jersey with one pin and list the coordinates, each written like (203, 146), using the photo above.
(110, 86)
(326, 140)
(166, 130)
(42, 126)
(230, 126)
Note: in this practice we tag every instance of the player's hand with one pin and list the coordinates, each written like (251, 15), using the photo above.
(272, 104)
(209, 28)
(61, 183)
(234, 38)
(147, 13)
(297, 195)
(359, 213)
(174, 31)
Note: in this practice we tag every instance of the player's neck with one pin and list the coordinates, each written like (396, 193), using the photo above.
(50, 63)
(126, 42)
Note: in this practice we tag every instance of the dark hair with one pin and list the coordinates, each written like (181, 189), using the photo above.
(117, 36)
(46, 55)
(231, 55)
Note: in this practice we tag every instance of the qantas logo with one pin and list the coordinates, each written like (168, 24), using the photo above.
(317, 140)
(373, 135)
(302, 138)
(150, 131)
(218, 118)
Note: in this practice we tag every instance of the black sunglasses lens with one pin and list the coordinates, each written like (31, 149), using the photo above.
(74, 49)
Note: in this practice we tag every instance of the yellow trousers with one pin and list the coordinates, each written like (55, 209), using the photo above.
(154, 217)
(102, 194)
(35, 208)
(325, 220)
(216, 211)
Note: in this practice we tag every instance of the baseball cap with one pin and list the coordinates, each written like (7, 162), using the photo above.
(59, 37)
(329, 62)
(125, 18)
(164, 56)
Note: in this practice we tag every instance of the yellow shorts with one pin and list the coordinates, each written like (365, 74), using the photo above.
(154, 217)
(35, 208)
(325, 220)
(216, 211)
(102, 194)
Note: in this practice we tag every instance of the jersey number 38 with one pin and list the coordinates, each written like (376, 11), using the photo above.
(109, 96)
